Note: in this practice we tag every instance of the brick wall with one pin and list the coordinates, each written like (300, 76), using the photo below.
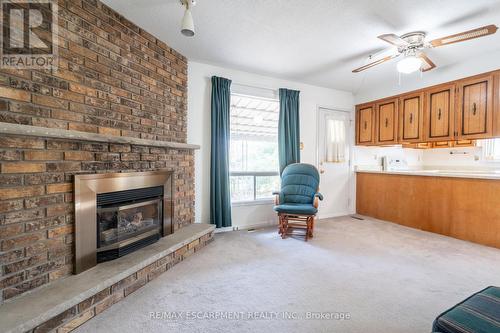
(114, 79)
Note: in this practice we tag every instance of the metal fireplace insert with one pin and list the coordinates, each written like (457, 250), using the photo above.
(118, 213)
(127, 221)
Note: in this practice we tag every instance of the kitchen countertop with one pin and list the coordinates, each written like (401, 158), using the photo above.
(478, 174)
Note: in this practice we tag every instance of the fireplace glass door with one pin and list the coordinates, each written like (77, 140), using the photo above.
(128, 220)
(119, 223)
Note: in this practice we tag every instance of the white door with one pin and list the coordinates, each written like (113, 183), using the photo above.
(333, 158)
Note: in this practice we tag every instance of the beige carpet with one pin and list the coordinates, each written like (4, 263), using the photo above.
(385, 277)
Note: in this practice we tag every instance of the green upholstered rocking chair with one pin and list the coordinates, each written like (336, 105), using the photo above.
(297, 201)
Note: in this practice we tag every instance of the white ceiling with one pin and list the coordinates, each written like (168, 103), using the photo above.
(313, 41)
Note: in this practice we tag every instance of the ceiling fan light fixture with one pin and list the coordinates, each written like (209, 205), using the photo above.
(409, 64)
(413, 44)
(187, 27)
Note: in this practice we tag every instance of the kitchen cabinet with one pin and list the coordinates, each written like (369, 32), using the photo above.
(411, 127)
(452, 114)
(464, 208)
(386, 127)
(442, 144)
(365, 125)
(439, 119)
(464, 143)
(496, 105)
(475, 108)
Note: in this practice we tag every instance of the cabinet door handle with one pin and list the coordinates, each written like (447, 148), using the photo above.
(386, 122)
(439, 114)
(474, 109)
(365, 125)
(411, 118)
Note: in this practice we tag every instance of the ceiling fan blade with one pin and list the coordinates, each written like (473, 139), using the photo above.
(466, 35)
(427, 63)
(393, 39)
(377, 62)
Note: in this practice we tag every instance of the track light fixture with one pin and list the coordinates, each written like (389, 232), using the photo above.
(187, 27)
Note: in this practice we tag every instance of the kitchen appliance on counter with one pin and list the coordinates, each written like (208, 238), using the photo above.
(387, 164)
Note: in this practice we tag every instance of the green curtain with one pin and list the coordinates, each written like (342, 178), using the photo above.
(289, 128)
(220, 198)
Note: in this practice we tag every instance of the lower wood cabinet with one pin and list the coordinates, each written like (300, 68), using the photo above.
(464, 208)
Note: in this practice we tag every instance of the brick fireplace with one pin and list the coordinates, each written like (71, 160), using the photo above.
(117, 103)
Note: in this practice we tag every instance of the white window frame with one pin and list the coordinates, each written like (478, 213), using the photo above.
(262, 93)
(253, 174)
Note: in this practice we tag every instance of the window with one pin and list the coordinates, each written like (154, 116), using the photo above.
(491, 149)
(335, 140)
(253, 155)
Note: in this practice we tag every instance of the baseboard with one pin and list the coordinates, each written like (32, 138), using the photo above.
(257, 225)
(328, 216)
(225, 229)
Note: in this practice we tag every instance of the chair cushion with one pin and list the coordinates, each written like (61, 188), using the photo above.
(296, 209)
(478, 313)
(299, 183)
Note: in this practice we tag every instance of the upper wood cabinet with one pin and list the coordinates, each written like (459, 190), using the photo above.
(439, 113)
(365, 125)
(411, 127)
(386, 117)
(496, 105)
(475, 108)
(452, 114)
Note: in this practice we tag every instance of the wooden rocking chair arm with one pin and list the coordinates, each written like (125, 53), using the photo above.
(277, 195)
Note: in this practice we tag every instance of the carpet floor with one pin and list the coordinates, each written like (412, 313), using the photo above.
(353, 276)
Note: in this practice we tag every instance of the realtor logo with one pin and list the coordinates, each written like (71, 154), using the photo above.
(29, 34)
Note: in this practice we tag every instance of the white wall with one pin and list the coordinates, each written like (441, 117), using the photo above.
(199, 89)
(369, 157)
(468, 158)
(374, 90)
(462, 158)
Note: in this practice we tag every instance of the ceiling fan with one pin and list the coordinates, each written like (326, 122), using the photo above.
(411, 46)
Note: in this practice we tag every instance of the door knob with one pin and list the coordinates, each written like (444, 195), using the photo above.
(321, 171)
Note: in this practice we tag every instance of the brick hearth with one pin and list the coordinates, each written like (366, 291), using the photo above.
(114, 79)
(67, 303)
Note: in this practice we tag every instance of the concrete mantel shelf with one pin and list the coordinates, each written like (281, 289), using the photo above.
(33, 308)
(55, 133)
